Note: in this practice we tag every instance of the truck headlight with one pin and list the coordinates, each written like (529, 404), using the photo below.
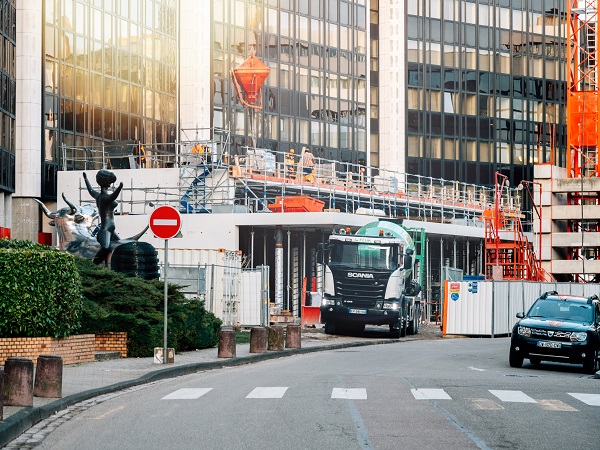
(327, 302)
(524, 331)
(390, 305)
(579, 337)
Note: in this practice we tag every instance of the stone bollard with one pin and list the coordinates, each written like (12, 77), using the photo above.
(292, 336)
(258, 340)
(48, 376)
(1, 393)
(226, 344)
(18, 381)
(275, 341)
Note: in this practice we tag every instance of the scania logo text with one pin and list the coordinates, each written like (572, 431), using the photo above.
(359, 275)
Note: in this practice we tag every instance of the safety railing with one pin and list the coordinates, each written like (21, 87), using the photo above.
(260, 175)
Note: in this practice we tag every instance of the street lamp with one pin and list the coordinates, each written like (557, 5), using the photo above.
(499, 186)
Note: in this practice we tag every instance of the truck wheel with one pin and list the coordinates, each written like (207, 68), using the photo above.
(411, 327)
(417, 318)
(403, 327)
(395, 330)
(329, 327)
(403, 320)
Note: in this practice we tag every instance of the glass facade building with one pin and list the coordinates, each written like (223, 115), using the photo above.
(485, 87)
(109, 75)
(317, 91)
(7, 95)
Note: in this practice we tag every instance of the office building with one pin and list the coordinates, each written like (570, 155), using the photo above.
(7, 112)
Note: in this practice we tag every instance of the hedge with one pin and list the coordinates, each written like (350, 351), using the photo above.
(40, 291)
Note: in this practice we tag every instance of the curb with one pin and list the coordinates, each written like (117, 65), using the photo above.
(20, 422)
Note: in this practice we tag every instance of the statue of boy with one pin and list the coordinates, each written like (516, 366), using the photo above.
(106, 202)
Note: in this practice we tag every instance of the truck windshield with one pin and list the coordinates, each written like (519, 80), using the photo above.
(364, 256)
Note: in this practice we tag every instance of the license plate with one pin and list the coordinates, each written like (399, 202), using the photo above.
(358, 311)
(548, 344)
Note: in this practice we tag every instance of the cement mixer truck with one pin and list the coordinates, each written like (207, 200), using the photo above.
(367, 278)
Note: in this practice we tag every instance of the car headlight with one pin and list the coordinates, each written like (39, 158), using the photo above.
(389, 305)
(327, 302)
(524, 331)
(579, 337)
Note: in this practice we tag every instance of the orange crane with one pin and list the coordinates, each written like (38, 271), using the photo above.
(583, 115)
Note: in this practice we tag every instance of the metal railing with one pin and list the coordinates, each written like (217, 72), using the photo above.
(210, 175)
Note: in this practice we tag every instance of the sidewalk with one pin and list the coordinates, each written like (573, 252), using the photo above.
(87, 380)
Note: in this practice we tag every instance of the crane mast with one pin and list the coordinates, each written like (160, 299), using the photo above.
(582, 89)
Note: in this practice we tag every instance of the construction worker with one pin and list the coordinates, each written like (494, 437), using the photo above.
(308, 163)
(289, 163)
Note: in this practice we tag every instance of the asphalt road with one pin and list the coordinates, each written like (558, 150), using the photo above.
(438, 394)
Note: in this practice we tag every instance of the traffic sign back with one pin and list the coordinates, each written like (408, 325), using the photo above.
(165, 222)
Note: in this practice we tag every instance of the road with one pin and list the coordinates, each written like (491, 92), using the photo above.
(445, 394)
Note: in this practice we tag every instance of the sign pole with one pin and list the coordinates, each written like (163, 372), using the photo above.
(165, 223)
(165, 356)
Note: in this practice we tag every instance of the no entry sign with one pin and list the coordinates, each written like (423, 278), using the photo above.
(165, 222)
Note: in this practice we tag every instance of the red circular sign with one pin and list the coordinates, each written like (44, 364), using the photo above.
(165, 222)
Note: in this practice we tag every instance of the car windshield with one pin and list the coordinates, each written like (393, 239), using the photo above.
(562, 310)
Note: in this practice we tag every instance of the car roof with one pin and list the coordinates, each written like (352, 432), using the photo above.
(569, 297)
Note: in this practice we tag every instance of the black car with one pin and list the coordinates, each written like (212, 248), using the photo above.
(560, 328)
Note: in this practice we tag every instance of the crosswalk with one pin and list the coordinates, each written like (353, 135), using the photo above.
(489, 403)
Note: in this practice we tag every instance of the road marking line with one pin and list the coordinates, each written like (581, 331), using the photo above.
(430, 394)
(350, 394)
(477, 369)
(513, 396)
(588, 399)
(267, 392)
(187, 394)
(485, 404)
(555, 405)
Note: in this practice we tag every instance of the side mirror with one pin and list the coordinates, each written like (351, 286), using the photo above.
(520, 315)
(407, 262)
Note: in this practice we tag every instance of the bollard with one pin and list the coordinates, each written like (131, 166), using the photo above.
(226, 344)
(18, 381)
(292, 336)
(1, 393)
(48, 376)
(258, 340)
(275, 340)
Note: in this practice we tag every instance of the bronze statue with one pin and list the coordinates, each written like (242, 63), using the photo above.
(106, 202)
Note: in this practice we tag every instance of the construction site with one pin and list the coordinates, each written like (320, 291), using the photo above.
(238, 199)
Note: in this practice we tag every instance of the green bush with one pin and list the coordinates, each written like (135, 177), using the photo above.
(40, 291)
(117, 302)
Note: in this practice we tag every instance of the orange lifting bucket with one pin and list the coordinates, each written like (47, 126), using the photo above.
(248, 78)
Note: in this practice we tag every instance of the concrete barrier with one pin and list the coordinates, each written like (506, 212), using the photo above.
(258, 340)
(293, 336)
(275, 340)
(48, 376)
(226, 344)
(18, 381)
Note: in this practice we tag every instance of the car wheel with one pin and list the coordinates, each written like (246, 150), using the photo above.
(329, 327)
(515, 359)
(536, 361)
(591, 364)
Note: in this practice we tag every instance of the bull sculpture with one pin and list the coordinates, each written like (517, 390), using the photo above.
(75, 227)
